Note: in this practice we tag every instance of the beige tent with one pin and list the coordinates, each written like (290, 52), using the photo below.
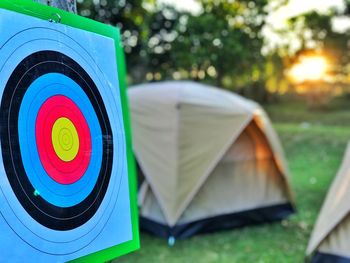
(210, 160)
(331, 237)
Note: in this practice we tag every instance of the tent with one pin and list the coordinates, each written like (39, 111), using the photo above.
(208, 160)
(330, 240)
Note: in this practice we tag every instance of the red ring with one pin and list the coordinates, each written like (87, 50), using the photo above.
(62, 172)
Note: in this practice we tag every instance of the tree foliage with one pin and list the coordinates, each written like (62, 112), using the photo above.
(130, 17)
(222, 45)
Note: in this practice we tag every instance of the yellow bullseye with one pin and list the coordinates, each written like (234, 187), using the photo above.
(65, 139)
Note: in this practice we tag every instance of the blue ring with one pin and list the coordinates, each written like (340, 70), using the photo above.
(38, 92)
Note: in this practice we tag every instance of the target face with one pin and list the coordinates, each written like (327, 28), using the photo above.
(64, 155)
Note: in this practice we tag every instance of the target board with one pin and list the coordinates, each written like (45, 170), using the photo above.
(66, 168)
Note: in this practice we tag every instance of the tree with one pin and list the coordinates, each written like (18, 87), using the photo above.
(163, 31)
(223, 45)
(68, 5)
(131, 18)
(318, 36)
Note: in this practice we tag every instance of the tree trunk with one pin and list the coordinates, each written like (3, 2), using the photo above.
(68, 5)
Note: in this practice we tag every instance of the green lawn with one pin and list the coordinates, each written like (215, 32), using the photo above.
(314, 153)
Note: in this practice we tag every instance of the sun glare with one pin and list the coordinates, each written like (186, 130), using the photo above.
(309, 68)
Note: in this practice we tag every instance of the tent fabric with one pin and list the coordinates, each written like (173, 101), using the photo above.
(185, 136)
(331, 234)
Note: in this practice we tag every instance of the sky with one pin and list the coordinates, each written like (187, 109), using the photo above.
(294, 7)
(277, 20)
(184, 5)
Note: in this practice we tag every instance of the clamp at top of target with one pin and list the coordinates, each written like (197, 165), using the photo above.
(55, 18)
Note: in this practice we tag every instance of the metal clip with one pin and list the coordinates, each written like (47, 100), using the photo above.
(55, 18)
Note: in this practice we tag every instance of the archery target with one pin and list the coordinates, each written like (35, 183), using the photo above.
(62, 139)
(60, 174)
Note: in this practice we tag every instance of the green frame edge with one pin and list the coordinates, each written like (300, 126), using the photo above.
(37, 10)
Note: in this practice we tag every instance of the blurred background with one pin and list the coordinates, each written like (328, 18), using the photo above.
(263, 49)
(291, 56)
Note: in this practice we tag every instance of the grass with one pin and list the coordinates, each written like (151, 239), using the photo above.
(337, 112)
(314, 153)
